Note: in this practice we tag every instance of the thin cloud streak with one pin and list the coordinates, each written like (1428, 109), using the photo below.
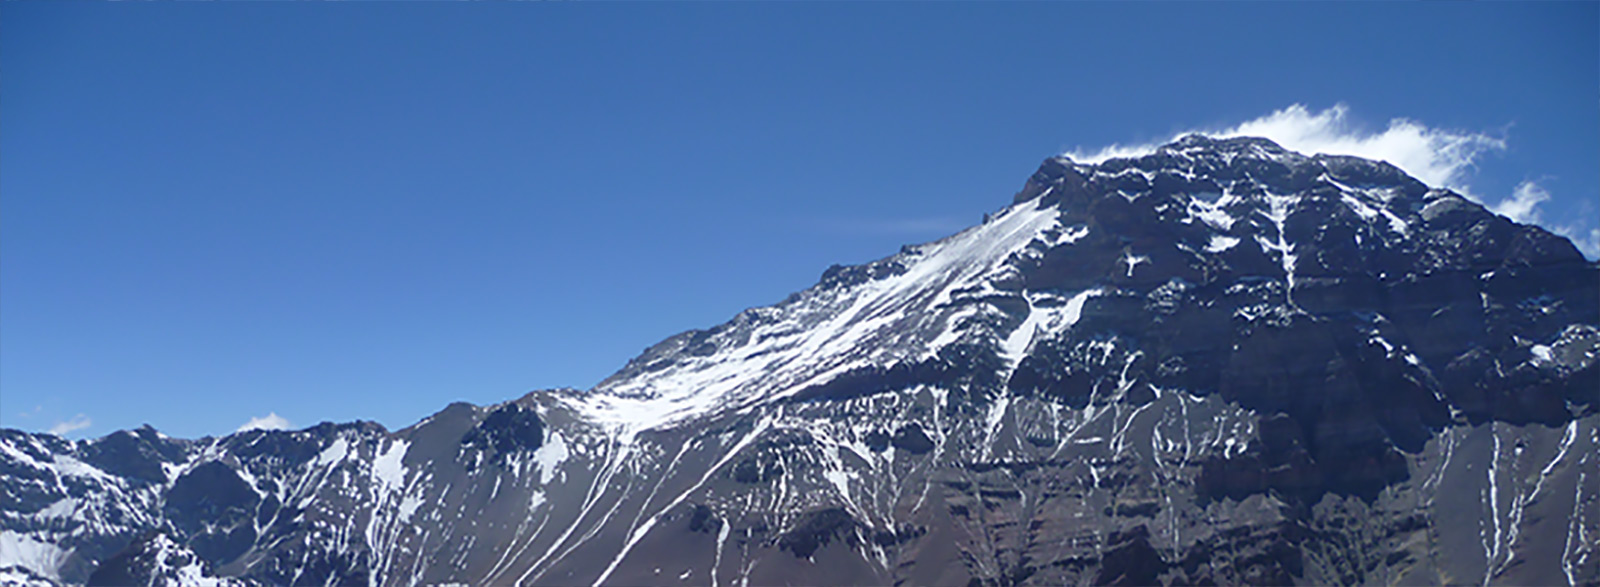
(1523, 205)
(78, 422)
(1587, 242)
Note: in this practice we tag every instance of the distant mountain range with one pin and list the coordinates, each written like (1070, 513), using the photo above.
(1222, 362)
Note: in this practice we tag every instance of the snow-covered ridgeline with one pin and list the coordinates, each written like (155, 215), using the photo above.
(822, 332)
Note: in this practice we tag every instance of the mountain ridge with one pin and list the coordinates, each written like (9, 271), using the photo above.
(1333, 342)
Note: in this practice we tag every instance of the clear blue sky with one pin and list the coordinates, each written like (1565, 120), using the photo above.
(210, 212)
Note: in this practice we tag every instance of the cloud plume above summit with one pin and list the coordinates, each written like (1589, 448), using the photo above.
(271, 421)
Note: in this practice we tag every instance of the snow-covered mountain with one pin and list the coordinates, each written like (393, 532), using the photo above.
(1223, 362)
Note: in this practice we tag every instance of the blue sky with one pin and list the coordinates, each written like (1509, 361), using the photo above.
(214, 213)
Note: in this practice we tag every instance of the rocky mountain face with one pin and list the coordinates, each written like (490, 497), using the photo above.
(1222, 362)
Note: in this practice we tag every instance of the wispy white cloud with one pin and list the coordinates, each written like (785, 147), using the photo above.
(1523, 205)
(1438, 157)
(271, 421)
(1587, 242)
(78, 422)
(1118, 151)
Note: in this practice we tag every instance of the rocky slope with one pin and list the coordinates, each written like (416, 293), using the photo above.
(1222, 362)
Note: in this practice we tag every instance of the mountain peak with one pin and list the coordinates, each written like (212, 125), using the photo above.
(1202, 211)
(1200, 145)
(1317, 365)
(1196, 142)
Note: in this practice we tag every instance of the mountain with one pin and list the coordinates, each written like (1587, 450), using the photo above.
(1222, 362)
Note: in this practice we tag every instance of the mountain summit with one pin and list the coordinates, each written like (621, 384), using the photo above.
(1222, 362)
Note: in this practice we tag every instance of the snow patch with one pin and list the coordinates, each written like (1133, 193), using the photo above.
(66, 465)
(1388, 348)
(23, 551)
(1541, 354)
(1220, 243)
(951, 333)
(1051, 317)
(191, 574)
(63, 509)
(408, 506)
(335, 453)
(1073, 309)
(992, 421)
(387, 469)
(1019, 339)
(549, 456)
(1069, 235)
(841, 482)
(1279, 209)
(16, 454)
(1132, 260)
(1212, 213)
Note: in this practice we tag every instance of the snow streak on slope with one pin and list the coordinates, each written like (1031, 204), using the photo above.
(771, 352)
(1047, 313)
